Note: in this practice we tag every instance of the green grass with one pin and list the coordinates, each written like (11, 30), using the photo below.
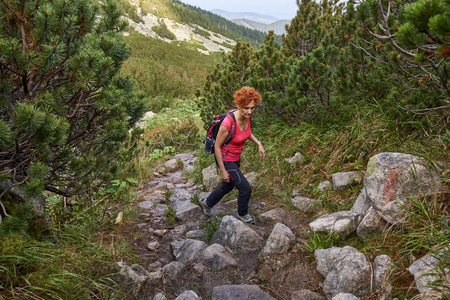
(165, 71)
(211, 226)
(68, 265)
(316, 240)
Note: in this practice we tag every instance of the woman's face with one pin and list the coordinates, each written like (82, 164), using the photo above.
(248, 109)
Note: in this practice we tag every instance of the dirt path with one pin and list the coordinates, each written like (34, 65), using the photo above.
(279, 275)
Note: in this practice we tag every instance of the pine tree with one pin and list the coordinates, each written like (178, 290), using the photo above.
(409, 44)
(269, 73)
(314, 38)
(226, 79)
(65, 107)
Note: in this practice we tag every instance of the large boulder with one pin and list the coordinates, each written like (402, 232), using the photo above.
(325, 259)
(217, 257)
(392, 179)
(236, 235)
(349, 272)
(189, 251)
(210, 177)
(280, 240)
(187, 211)
(342, 223)
(371, 225)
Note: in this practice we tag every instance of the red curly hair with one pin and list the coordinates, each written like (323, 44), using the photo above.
(245, 95)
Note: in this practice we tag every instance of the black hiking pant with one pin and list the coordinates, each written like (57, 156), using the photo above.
(237, 181)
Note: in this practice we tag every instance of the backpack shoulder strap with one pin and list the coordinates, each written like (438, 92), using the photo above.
(232, 132)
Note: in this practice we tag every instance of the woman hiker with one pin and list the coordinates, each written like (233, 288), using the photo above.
(228, 157)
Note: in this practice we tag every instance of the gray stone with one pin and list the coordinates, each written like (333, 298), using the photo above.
(153, 246)
(179, 230)
(303, 204)
(146, 205)
(325, 259)
(325, 186)
(143, 121)
(382, 266)
(274, 215)
(154, 277)
(217, 257)
(132, 277)
(294, 160)
(240, 292)
(173, 269)
(210, 177)
(345, 296)
(361, 204)
(171, 165)
(350, 273)
(342, 223)
(236, 235)
(160, 232)
(425, 271)
(159, 296)
(280, 240)
(194, 234)
(344, 180)
(160, 210)
(188, 295)
(371, 225)
(176, 245)
(392, 179)
(307, 295)
(187, 211)
(37, 203)
(190, 251)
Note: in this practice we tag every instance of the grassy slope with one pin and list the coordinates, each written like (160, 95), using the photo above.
(166, 70)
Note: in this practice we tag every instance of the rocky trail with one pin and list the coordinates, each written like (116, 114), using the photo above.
(237, 267)
(183, 256)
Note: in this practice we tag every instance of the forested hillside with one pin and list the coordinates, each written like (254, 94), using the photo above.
(350, 80)
(187, 14)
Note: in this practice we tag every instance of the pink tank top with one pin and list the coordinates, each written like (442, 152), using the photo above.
(236, 145)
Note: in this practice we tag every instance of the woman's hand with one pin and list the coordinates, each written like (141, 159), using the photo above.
(225, 176)
(262, 151)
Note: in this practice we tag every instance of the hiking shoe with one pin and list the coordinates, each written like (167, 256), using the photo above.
(205, 208)
(247, 219)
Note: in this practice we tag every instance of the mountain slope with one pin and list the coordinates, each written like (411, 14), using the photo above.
(193, 17)
(171, 31)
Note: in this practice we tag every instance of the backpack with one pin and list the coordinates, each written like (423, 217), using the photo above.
(213, 129)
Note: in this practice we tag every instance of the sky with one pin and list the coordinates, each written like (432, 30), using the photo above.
(283, 9)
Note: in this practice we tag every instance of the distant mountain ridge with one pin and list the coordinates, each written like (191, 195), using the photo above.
(278, 27)
(245, 15)
(263, 23)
